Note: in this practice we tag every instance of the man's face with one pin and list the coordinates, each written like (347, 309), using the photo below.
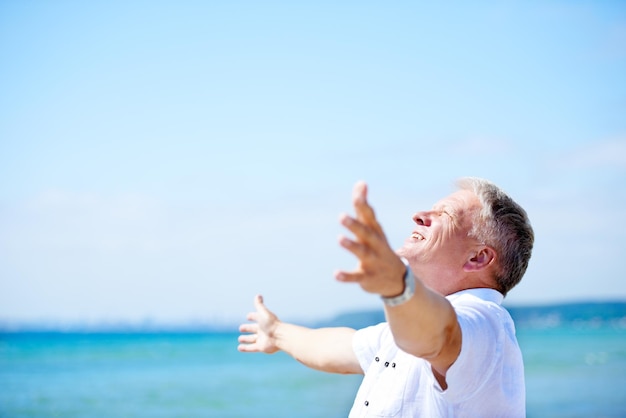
(439, 245)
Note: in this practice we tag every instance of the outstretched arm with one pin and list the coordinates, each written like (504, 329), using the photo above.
(325, 349)
(425, 325)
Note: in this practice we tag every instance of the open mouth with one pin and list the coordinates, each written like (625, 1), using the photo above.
(416, 235)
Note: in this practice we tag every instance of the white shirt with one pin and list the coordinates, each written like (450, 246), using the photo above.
(486, 380)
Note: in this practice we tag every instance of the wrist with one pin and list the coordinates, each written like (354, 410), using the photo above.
(408, 287)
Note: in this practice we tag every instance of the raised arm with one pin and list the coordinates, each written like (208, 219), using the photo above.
(325, 349)
(425, 325)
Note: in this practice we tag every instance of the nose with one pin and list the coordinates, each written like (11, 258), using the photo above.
(422, 218)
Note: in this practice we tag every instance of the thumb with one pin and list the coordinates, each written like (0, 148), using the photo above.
(359, 192)
(364, 211)
(258, 303)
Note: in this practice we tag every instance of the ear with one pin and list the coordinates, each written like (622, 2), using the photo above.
(481, 259)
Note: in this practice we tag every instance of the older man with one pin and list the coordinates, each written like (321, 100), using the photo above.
(448, 348)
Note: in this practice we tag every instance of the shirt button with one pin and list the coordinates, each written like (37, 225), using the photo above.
(393, 365)
(377, 359)
(367, 403)
(386, 364)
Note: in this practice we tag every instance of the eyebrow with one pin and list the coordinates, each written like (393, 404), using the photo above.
(445, 208)
(448, 210)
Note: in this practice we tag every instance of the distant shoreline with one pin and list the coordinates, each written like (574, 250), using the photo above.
(589, 313)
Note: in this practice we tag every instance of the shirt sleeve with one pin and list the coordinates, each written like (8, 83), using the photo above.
(481, 350)
(366, 343)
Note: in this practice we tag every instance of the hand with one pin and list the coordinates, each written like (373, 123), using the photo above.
(379, 270)
(260, 333)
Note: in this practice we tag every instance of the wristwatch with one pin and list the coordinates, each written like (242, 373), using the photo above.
(409, 288)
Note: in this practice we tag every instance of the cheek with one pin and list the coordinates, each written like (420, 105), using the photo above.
(434, 247)
(430, 254)
(444, 253)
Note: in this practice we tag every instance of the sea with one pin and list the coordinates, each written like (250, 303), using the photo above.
(574, 357)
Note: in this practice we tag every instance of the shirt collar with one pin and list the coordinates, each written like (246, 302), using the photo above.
(484, 293)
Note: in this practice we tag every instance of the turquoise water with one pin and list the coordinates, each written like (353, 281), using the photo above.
(570, 372)
(575, 371)
(158, 375)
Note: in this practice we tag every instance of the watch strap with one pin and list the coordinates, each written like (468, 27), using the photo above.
(409, 288)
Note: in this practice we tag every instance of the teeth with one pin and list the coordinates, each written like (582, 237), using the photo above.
(417, 236)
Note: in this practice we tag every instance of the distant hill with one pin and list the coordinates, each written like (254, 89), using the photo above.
(540, 316)
(589, 313)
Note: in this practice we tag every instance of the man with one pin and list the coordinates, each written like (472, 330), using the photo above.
(448, 348)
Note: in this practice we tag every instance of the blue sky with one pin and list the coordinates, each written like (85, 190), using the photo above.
(167, 161)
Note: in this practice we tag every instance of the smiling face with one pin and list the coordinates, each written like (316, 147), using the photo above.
(439, 247)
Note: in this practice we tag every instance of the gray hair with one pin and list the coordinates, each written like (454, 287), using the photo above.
(503, 225)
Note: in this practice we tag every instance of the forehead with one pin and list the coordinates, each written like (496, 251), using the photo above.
(461, 201)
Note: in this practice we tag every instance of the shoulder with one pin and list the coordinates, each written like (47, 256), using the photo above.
(368, 341)
(479, 303)
(488, 344)
(482, 319)
(374, 335)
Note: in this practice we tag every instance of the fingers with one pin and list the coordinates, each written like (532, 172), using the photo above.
(254, 316)
(364, 211)
(258, 335)
(359, 192)
(248, 339)
(247, 348)
(363, 232)
(376, 259)
(247, 342)
(367, 245)
(260, 309)
(351, 245)
(349, 277)
(249, 328)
